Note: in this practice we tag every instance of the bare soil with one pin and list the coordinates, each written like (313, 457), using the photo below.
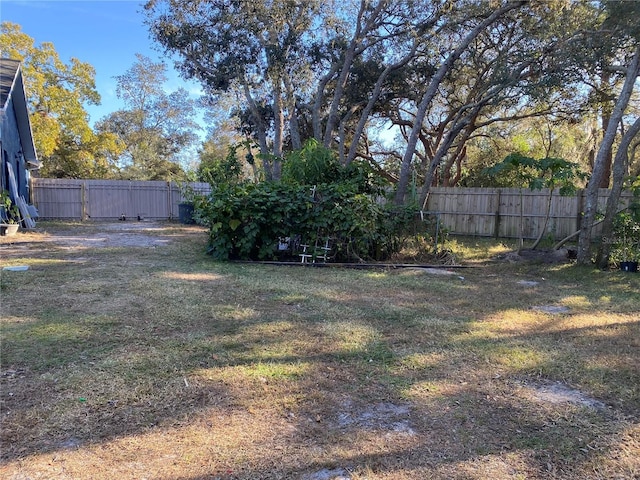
(146, 233)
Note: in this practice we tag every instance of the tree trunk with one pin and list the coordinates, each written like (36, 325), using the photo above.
(261, 132)
(377, 90)
(437, 158)
(619, 170)
(278, 120)
(606, 118)
(332, 120)
(430, 93)
(294, 126)
(591, 198)
(316, 111)
(546, 220)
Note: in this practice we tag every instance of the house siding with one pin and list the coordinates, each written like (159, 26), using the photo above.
(12, 150)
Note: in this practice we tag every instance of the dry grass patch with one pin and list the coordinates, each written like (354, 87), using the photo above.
(142, 358)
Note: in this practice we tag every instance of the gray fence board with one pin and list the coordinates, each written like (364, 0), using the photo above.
(465, 211)
(108, 199)
(497, 212)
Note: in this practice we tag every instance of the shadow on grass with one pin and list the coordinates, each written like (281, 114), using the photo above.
(153, 340)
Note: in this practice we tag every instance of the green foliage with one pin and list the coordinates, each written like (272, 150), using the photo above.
(56, 95)
(626, 228)
(217, 171)
(246, 221)
(9, 212)
(626, 236)
(317, 200)
(519, 170)
(313, 164)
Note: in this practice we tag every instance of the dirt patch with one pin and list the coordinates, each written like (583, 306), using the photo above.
(72, 237)
(385, 417)
(562, 255)
(551, 309)
(559, 393)
(328, 474)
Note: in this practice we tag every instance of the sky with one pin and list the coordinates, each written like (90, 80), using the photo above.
(104, 33)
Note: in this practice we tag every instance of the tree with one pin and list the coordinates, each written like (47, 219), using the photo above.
(305, 69)
(620, 167)
(252, 47)
(505, 67)
(155, 128)
(620, 36)
(57, 93)
(444, 72)
(218, 167)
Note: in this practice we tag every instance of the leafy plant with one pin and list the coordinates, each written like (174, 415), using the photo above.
(218, 171)
(313, 164)
(317, 201)
(246, 221)
(626, 239)
(9, 212)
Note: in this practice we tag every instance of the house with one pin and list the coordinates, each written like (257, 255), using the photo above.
(16, 139)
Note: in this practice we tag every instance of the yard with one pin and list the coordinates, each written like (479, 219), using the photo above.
(128, 353)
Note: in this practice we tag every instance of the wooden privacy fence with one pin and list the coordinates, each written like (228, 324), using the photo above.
(502, 212)
(499, 212)
(108, 199)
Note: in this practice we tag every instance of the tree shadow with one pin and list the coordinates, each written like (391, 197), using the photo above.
(386, 371)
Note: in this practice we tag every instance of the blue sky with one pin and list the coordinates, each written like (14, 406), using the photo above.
(104, 33)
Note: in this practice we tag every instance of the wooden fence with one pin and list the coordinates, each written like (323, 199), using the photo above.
(500, 212)
(504, 212)
(107, 199)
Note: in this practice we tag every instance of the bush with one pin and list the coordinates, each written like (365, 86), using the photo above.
(317, 200)
(626, 234)
(247, 221)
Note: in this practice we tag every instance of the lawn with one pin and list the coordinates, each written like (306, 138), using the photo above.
(128, 353)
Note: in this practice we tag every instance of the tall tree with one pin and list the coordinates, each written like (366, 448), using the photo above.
(57, 93)
(253, 47)
(156, 127)
(444, 71)
(306, 69)
(619, 37)
(620, 169)
(430, 93)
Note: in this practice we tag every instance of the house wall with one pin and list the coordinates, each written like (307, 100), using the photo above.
(12, 151)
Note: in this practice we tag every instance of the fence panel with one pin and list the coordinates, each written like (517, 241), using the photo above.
(108, 199)
(505, 212)
(500, 212)
(58, 198)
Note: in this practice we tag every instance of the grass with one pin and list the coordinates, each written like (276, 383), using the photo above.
(150, 360)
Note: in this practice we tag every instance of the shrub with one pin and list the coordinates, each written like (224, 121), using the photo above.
(317, 200)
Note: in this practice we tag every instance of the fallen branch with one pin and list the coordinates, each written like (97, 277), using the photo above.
(574, 234)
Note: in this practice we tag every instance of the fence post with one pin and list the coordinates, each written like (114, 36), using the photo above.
(83, 200)
(169, 200)
(496, 232)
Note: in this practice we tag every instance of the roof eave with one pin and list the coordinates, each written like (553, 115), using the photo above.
(22, 117)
